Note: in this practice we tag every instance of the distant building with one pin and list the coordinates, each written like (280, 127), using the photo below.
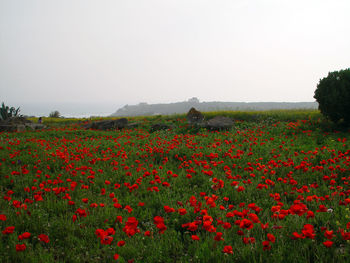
(193, 100)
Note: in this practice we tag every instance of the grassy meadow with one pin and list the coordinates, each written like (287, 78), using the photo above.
(274, 188)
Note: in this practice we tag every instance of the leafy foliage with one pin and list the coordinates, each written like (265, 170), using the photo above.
(333, 96)
(6, 112)
(54, 114)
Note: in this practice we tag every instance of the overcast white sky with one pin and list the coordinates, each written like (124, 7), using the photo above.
(60, 52)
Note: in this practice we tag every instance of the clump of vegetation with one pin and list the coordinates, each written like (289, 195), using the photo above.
(333, 96)
(55, 114)
(6, 112)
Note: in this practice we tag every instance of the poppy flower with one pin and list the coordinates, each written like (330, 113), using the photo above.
(195, 237)
(227, 250)
(266, 245)
(25, 235)
(121, 243)
(226, 225)
(44, 238)
(271, 238)
(116, 256)
(106, 240)
(21, 247)
(218, 236)
(247, 240)
(246, 223)
(328, 234)
(8, 230)
(162, 227)
(182, 211)
(328, 243)
(168, 209)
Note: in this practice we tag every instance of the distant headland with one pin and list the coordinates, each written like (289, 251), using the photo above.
(145, 109)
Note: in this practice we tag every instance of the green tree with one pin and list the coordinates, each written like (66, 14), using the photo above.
(55, 114)
(333, 96)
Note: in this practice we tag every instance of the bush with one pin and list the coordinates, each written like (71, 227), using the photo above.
(333, 96)
(54, 114)
(6, 112)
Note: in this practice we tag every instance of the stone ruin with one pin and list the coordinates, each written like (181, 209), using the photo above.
(19, 124)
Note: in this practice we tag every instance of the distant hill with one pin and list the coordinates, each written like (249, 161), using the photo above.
(145, 109)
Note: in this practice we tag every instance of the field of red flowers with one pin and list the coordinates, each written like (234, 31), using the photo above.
(260, 192)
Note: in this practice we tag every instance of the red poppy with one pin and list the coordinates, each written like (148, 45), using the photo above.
(247, 240)
(25, 235)
(266, 245)
(218, 236)
(271, 238)
(168, 209)
(182, 211)
(245, 223)
(121, 243)
(106, 240)
(227, 250)
(21, 247)
(195, 237)
(328, 243)
(328, 234)
(44, 238)
(8, 230)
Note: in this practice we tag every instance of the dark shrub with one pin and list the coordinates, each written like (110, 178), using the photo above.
(333, 96)
(55, 114)
(6, 112)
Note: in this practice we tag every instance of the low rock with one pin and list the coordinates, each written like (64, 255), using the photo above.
(19, 124)
(108, 124)
(194, 116)
(159, 127)
(132, 125)
(35, 126)
(219, 123)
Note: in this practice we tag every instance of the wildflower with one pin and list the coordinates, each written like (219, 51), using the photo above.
(247, 240)
(21, 247)
(121, 243)
(271, 238)
(195, 237)
(218, 236)
(106, 240)
(182, 211)
(227, 250)
(25, 235)
(168, 209)
(44, 238)
(8, 230)
(245, 223)
(328, 243)
(266, 245)
(328, 234)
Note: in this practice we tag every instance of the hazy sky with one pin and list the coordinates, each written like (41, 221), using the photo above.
(120, 52)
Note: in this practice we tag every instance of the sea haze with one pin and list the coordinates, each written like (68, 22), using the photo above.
(74, 110)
